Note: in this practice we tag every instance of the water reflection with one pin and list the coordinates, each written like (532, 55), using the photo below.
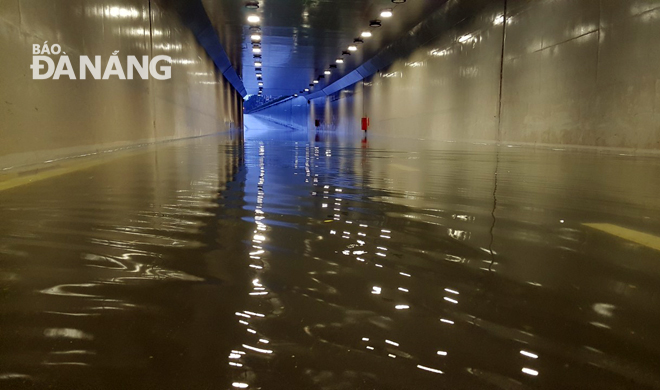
(282, 262)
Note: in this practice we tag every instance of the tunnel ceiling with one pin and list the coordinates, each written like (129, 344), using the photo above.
(302, 38)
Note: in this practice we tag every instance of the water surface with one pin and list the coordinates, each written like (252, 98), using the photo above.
(296, 261)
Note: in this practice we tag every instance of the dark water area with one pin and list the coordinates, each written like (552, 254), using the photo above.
(281, 260)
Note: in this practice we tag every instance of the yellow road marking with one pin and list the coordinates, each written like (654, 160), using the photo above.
(641, 238)
(14, 180)
(17, 181)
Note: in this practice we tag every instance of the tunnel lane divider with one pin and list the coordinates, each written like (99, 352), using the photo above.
(641, 238)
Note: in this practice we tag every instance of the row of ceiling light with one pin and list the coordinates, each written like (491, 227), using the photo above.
(255, 38)
(384, 14)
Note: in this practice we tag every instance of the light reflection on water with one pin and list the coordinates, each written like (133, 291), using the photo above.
(285, 262)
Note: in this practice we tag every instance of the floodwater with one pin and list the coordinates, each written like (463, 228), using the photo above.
(289, 261)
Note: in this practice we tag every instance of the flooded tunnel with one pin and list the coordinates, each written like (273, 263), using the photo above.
(329, 194)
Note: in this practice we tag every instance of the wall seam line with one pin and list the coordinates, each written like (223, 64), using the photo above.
(498, 136)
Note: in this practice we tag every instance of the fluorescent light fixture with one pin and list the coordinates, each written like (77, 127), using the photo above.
(340, 60)
(316, 81)
(256, 50)
(352, 48)
(253, 19)
(366, 34)
(306, 89)
(259, 75)
(257, 64)
(387, 13)
(327, 72)
(255, 37)
(260, 84)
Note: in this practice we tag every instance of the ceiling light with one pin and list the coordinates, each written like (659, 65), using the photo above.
(306, 89)
(253, 19)
(259, 75)
(358, 41)
(352, 48)
(375, 23)
(256, 37)
(256, 50)
(260, 84)
(252, 5)
(327, 72)
(257, 64)
(316, 81)
(387, 13)
(339, 61)
(398, 1)
(366, 34)
(346, 53)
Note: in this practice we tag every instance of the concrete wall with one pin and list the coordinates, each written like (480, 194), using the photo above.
(570, 72)
(292, 113)
(583, 72)
(49, 119)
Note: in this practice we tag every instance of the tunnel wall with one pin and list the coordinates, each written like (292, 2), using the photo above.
(559, 72)
(293, 113)
(51, 119)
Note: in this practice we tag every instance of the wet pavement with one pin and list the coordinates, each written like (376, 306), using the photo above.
(295, 261)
